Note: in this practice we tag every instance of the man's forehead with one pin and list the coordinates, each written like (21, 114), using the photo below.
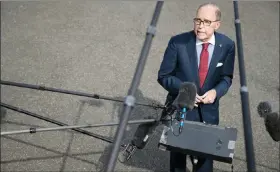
(207, 12)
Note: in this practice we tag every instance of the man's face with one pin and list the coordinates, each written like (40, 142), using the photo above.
(205, 23)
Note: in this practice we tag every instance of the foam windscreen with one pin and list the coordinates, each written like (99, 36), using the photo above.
(272, 124)
(186, 96)
(264, 108)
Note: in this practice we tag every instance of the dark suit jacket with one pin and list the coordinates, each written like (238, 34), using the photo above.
(180, 65)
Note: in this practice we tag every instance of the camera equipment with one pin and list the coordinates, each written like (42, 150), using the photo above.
(200, 140)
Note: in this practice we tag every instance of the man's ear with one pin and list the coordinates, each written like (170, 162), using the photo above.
(217, 25)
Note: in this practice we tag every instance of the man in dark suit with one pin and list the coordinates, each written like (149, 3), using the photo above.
(205, 57)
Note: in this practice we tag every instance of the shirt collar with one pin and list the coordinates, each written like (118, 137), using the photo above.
(211, 41)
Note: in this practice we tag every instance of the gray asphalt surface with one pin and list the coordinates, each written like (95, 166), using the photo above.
(93, 46)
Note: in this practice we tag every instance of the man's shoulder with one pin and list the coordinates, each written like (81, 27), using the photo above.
(182, 37)
(224, 38)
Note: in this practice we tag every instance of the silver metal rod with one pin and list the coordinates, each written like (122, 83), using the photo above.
(34, 130)
(71, 92)
(25, 112)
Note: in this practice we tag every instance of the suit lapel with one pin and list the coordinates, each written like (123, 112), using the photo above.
(191, 49)
(215, 57)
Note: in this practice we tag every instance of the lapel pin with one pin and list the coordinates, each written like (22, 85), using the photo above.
(220, 45)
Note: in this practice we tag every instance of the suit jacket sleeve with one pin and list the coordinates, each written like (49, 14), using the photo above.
(167, 69)
(227, 73)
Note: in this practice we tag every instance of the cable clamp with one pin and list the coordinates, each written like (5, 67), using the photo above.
(151, 30)
(129, 100)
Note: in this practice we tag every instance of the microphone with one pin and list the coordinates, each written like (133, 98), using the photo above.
(185, 101)
(271, 120)
(272, 125)
(264, 108)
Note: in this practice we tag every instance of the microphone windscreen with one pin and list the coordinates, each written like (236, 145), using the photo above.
(264, 108)
(272, 124)
(272, 118)
(186, 96)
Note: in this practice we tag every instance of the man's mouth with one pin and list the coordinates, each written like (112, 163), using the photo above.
(200, 33)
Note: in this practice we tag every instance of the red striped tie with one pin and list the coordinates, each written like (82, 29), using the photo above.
(203, 65)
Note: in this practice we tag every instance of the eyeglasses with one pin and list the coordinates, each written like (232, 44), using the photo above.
(198, 21)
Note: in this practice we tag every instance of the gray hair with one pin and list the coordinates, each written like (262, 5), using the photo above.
(218, 11)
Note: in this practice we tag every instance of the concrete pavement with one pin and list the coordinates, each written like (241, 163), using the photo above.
(93, 46)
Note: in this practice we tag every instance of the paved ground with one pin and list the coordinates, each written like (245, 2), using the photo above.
(93, 47)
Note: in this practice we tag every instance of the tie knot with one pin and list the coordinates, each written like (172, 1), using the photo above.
(205, 45)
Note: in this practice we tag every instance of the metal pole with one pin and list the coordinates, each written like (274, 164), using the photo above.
(130, 99)
(77, 93)
(250, 155)
(35, 130)
(56, 122)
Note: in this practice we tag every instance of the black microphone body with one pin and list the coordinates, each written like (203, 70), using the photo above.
(272, 124)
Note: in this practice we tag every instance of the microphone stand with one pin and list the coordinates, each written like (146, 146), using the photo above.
(76, 93)
(130, 99)
(250, 155)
